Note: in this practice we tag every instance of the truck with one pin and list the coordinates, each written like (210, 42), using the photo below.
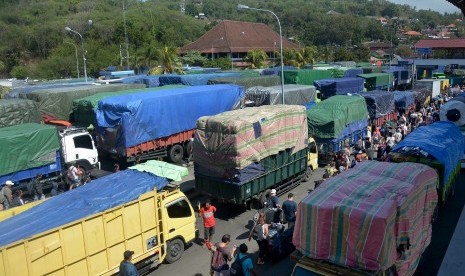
(402, 77)
(293, 94)
(337, 122)
(85, 231)
(143, 126)
(404, 102)
(378, 81)
(439, 145)
(18, 111)
(432, 85)
(374, 219)
(339, 86)
(241, 154)
(381, 107)
(31, 149)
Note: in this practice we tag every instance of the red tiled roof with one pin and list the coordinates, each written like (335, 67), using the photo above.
(238, 37)
(412, 33)
(441, 43)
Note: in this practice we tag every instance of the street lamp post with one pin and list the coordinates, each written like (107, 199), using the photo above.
(244, 7)
(82, 49)
(221, 38)
(77, 60)
(295, 39)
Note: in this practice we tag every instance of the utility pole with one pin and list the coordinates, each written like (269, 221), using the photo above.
(183, 6)
(126, 36)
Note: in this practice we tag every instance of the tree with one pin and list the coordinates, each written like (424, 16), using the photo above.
(169, 62)
(223, 63)
(193, 58)
(256, 58)
(404, 51)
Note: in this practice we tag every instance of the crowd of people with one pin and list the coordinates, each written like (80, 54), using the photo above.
(381, 139)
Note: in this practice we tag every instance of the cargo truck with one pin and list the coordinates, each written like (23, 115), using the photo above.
(374, 219)
(432, 85)
(378, 81)
(339, 86)
(142, 126)
(454, 111)
(241, 154)
(336, 123)
(439, 145)
(85, 231)
(402, 77)
(32, 149)
(381, 107)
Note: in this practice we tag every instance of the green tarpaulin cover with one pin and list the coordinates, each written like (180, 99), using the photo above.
(18, 111)
(248, 82)
(328, 118)
(27, 146)
(58, 102)
(376, 81)
(83, 108)
(306, 77)
(162, 169)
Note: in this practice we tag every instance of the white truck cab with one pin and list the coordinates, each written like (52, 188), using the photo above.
(78, 146)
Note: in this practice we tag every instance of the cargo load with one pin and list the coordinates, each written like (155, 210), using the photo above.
(249, 82)
(404, 100)
(379, 103)
(27, 146)
(377, 81)
(148, 80)
(342, 86)
(129, 120)
(57, 103)
(14, 93)
(84, 108)
(305, 77)
(18, 111)
(239, 138)
(439, 145)
(328, 119)
(372, 218)
(276, 70)
(353, 72)
(294, 94)
(402, 77)
(193, 80)
(432, 85)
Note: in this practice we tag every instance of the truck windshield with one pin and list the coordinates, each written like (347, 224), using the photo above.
(179, 209)
(83, 141)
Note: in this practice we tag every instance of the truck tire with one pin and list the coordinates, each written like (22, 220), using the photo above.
(174, 252)
(176, 153)
(188, 148)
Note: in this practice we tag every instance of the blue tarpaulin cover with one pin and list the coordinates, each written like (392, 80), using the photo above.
(194, 80)
(353, 72)
(149, 81)
(403, 99)
(339, 86)
(443, 140)
(379, 103)
(97, 196)
(142, 117)
(276, 70)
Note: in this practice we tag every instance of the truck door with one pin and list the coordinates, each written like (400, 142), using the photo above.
(180, 219)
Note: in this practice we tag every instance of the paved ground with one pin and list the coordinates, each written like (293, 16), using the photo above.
(237, 222)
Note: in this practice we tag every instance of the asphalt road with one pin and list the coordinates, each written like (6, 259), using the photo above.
(232, 220)
(237, 222)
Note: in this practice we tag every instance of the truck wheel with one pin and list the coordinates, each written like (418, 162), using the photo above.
(176, 153)
(175, 250)
(188, 148)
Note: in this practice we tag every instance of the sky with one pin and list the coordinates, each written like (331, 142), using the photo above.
(441, 6)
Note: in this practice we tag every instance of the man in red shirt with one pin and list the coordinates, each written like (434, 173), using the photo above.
(207, 213)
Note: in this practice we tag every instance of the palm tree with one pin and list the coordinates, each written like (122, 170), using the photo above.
(256, 58)
(169, 60)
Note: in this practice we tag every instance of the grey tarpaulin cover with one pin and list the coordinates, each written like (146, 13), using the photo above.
(18, 111)
(293, 94)
(248, 82)
(58, 102)
(379, 103)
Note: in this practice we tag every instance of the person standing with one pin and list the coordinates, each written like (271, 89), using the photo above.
(207, 212)
(222, 254)
(261, 230)
(18, 198)
(290, 209)
(242, 262)
(126, 267)
(37, 190)
(73, 176)
(7, 195)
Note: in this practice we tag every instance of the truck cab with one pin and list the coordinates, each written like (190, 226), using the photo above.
(78, 146)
